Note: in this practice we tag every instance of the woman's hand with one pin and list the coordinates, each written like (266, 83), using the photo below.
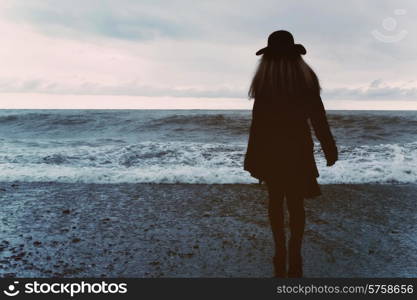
(332, 159)
(331, 163)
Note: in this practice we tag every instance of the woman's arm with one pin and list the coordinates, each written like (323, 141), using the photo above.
(322, 130)
(251, 161)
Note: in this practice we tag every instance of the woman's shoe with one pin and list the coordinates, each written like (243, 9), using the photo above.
(280, 268)
(295, 269)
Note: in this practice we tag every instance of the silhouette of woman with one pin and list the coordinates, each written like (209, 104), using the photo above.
(280, 147)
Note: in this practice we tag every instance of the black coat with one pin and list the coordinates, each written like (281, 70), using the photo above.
(280, 147)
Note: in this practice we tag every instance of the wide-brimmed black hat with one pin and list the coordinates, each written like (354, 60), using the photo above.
(282, 42)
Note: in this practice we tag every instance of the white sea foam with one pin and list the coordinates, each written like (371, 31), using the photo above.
(188, 162)
(385, 163)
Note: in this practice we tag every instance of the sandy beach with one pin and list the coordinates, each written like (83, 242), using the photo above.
(198, 230)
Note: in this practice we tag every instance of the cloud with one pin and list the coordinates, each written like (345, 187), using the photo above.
(130, 20)
(376, 90)
(243, 20)
(125, 89)
(199, 48)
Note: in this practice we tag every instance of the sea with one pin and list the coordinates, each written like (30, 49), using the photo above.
(189, 146)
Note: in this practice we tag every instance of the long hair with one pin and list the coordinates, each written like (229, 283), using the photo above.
(287, 76)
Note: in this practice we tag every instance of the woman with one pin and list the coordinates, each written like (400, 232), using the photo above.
(280, 148)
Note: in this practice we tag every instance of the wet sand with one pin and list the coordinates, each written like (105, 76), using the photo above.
(196, 230)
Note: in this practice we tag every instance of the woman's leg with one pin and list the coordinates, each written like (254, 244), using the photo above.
(276, 219)
(296, 211)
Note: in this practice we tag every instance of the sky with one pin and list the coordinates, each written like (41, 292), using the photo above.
(200, 54)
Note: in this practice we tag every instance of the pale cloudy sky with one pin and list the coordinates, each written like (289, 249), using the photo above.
(200, 54)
